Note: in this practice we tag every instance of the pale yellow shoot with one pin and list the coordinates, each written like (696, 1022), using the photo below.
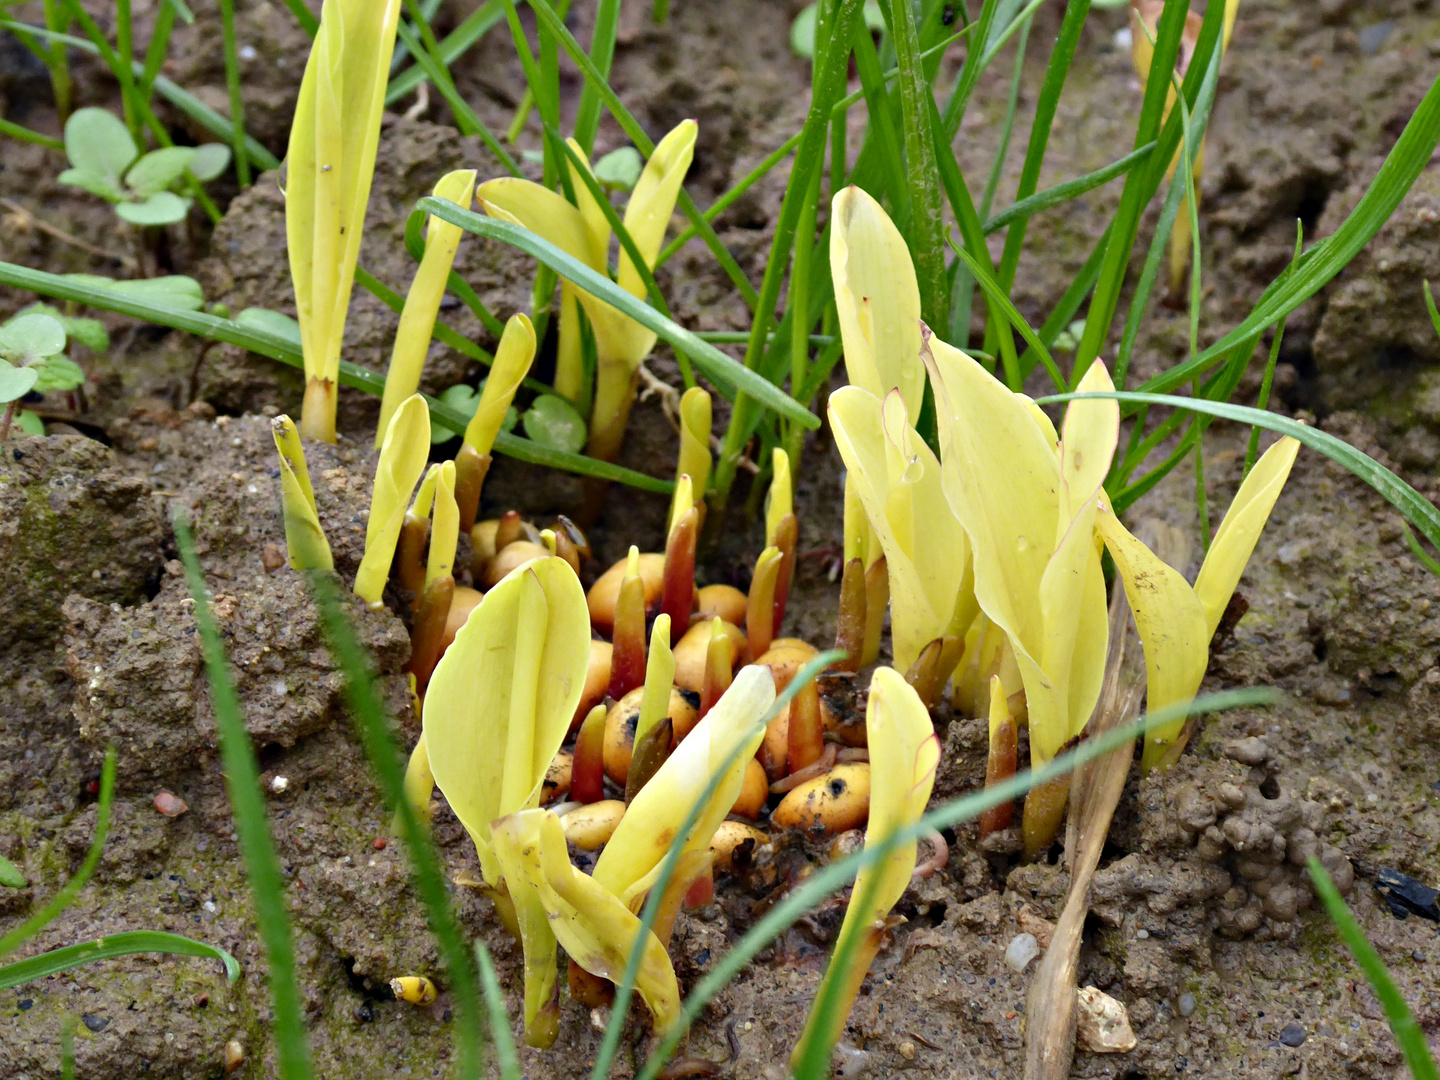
(419, 782)
(652, 202)
(516, 841)
(512, 363)
(402, 459)
(904, 754)
(726, 739)
(899, 483)
(1170, 621)
(596, 929)
(681, 502)
(694, 460)
(1236, 537)
(502, 697)
(304, 538)
(424, 496)
(422, 302)
(877, 300)
(780, 499)
(659, 678)
(444, 527)
(328, 167)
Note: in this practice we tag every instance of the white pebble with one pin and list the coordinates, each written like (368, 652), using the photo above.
(279, 784)
(1022, 949)
(1186, 1004)
(247, 52)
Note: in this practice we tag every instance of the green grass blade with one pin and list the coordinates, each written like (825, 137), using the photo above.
(24, 134)
(373, 726)
(626, 987)
(454, 45)
(1418, 510)
(216, 329)
(826, 880)
(998, 300)
(971, 71)
(642, 141)
(500, 1031)
(883, 143)
(71, 889)
(1326, 258)
(106, 948)
(1019, 212)
(307, 21)
(718, 367)
(415, 248)
(1007, 128)
(466, 118)
(1402, 1020)
(602, 53)
(927, 231)
(1140, 184)
(1145, 284)
(257, 848)
(232, 86)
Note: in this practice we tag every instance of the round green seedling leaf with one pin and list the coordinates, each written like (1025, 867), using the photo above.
(162, 208)
(210, 161)
(10, 875)
(29, 423)
(96, 185)
(88, 332)
(552, 421)
(465, 400)
(159, 169)
(99, 146)
(275, 323)
(28, 339)
(15, 382)
(620, 169)
(58, 373)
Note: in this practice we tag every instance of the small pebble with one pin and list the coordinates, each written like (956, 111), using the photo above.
(279, 784)
(1143, 935)
(170, 805)
(380, 843)
(234, 1055)
(1022, 949)
(1292, 1035)
(1186, 1004)
(93, 1022)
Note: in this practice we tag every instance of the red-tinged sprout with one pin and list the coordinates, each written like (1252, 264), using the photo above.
(999, 767)
(939, 856)
(760, 610)
(850, 622)
(719, 667)
(565, 548)
(510, 529)
(428, 634)
(651, 750)
(787, 536)
(701, 891)
(677, 595)
(587, 774)
(577, 538)
(877, 599)
(410, 553)
(932, 668)
(805, 737)
(627, 662)
(470, 469)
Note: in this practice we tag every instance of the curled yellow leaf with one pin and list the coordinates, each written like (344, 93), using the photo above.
(403, 454)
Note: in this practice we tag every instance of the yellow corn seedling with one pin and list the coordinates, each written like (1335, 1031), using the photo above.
(1036, 515)
(897, 480)
(304, 538)
(513, 357)
(904, 753)
(498, 707)
(403, 454)
(631, 860)
(328, 169)
(621, 344)
(1144, 18)
(444, 527)
(659, 677)
(422, 302)
(597, 930)
(694, 459)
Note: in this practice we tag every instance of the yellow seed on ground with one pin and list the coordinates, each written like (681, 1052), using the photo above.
(606, 590)
(729, 836)
(591, 825)
(414, 989)
(832, 803)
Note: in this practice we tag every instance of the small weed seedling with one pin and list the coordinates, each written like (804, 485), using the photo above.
(32, 359)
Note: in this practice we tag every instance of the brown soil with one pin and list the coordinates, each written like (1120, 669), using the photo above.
(1201, 925)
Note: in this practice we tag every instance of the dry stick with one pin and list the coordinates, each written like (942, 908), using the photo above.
(127, 261)
(1095, 791)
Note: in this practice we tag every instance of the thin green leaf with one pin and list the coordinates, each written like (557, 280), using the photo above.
(454, 45)
(1418, 510)
(278, 347)
(257, 848)
(71, 889)
(106, 948)
(718, 367)
(996, 296)
(1026, 208)
(374, 727)
(602, 53)
(1402, 1021)
(499, 1019)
